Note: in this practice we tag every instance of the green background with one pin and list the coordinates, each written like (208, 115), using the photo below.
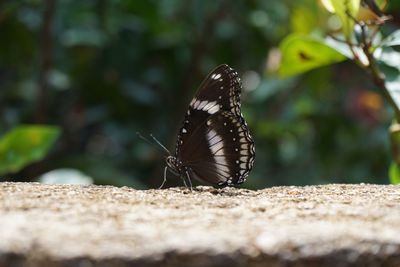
(104, 70)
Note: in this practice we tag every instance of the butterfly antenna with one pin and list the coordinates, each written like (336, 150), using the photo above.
(161, 145)
(163, 148)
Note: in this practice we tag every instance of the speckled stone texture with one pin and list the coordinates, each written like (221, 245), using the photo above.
(327, 225)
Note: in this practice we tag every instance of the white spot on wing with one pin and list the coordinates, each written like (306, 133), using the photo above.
(216, 76)
(213, 139)
(202, 104)
(220, 153)
(214, 109)
(209, 105)
(216, 146)
(223, 168)
(192, 102)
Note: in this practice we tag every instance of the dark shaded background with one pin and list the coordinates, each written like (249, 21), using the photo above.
(103, 70)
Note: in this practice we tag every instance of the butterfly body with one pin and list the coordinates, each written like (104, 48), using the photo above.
(214, 144)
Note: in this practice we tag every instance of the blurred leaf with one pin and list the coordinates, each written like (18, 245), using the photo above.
(101, 170)
(58, 79)
(24, 145)
(302, 53)
(392, 81)
(140, 93)
(269, 87)
(84, 37)
(394, 131)
(303, 19)
(341, 8)
(65, 176)
(343, 48)
(394, 173)
(339, 46)
(388, 55)
(392, 40)
(328, 5)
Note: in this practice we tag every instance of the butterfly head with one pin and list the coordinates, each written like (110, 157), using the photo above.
(174, 165)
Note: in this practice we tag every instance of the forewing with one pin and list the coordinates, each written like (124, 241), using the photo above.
(221, 86)
(220, 91)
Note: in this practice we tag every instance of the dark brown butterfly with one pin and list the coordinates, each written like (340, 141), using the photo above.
(214, 144)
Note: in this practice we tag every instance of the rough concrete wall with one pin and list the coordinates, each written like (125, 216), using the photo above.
(328, 225)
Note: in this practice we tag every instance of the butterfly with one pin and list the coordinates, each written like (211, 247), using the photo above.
(214, 144)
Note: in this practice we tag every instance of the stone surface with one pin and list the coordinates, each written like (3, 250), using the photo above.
(327, 225)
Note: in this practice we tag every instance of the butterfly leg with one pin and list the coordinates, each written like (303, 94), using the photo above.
(189, 180)
(165, 177)
(184, 182)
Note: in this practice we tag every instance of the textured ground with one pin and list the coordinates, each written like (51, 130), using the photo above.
(69, 225)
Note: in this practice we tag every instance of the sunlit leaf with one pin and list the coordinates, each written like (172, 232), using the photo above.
(394, 173)
(302, 53)
(388, 55)
(328, 5)
(392, 82)
(340, 46)
(24, 145)
(392, 40)
(344, 8)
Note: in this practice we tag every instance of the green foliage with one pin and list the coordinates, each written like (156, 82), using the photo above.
(346, 10)
(301, 53)
(118, 67)
(392, 81)
(363, 45)
(392, 40)
(394, 173)
(24, 145)
(304, 18)
(389, 59)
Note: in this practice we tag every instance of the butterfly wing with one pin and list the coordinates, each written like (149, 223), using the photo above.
(222, 86)
(214, 141)
(224, 150)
